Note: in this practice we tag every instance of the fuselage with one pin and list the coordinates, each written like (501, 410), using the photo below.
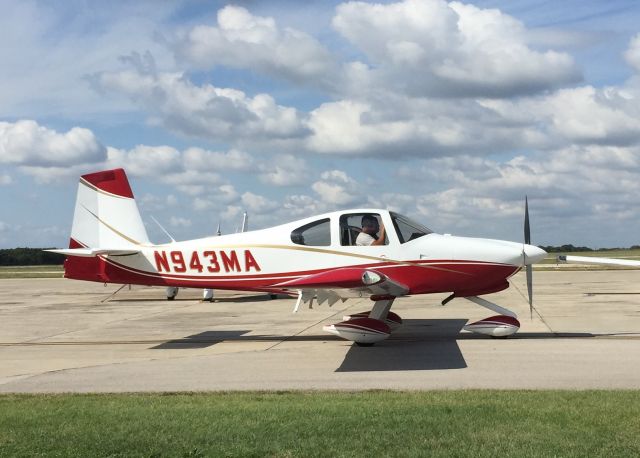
(260, 260)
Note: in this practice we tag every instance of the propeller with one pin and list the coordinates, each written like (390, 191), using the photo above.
(528, 267)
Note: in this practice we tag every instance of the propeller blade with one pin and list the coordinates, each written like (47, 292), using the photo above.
(528, 267)
(527, 229)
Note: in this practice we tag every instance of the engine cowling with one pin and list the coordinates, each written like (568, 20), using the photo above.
(495, 326)
(393, 320)
(360, 330)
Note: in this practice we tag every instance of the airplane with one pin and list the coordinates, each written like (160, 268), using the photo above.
(315, 258)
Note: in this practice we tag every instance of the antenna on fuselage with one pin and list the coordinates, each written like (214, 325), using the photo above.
(245, 222)
(207, 293)
(163, 229)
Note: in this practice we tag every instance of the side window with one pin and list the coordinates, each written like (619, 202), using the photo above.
(351, 225)
(317, 233)
(408, 229)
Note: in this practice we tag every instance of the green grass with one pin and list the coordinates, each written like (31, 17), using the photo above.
(45, 271)
(440, 423)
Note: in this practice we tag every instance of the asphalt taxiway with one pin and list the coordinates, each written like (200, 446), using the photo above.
(61, 335)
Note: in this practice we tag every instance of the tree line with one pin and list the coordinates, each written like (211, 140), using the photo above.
(571, 249)
(28, 257)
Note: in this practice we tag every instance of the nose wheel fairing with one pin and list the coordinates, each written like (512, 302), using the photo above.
(495, 326)
(502, 325)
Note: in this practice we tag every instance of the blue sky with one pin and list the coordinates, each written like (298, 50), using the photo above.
(448, 112)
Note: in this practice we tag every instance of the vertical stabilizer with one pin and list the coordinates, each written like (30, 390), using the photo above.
(106, 214)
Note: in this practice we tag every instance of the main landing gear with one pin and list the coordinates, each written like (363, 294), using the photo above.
(172, 292)
(367, 328)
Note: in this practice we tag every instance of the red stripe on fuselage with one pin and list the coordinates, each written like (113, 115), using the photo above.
(420, 276)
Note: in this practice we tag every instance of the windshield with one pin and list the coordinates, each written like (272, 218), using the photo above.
(408, 229)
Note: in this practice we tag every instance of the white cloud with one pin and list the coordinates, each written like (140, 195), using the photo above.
(177, 221)
(152, 202)
(244, 40)
(171, 200)
(222, 195)
(202, 111)
(164, 164)
(200, 204)
(226, 194)
(456, 49)
(26, 142)
(152, 161)
(583, 114)
(285, 170)
(231, 214)
(50, 156)
(338, 189)
(200, 159)
(189, 178)
(589, 190)
(255, 203)
(53, 48)
(632, 54)
(149, 202)
(300, 206)
(397, 126)
(466, 102)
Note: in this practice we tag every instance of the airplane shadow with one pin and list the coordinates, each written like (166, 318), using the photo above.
(201, 340)
(427, 345)
(418, 345)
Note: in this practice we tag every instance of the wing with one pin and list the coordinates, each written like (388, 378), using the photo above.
(596, 260)
(93, 252)
(340, 284)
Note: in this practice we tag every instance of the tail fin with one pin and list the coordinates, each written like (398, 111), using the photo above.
(106, 214)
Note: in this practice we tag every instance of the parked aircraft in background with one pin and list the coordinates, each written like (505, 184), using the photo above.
(315, 258)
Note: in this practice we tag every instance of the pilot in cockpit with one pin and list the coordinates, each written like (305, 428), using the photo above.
(370, 228)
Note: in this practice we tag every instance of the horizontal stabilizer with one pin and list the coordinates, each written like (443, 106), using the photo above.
(596, 260)
(93, 252)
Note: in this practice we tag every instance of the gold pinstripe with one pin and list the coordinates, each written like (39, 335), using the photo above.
(101, 191)
(339, 253)
(127, 238)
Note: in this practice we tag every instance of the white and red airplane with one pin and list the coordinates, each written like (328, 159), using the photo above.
(315, 258)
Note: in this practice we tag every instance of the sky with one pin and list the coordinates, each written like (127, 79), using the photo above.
(448, 112)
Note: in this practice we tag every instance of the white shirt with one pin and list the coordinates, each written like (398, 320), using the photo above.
(364, 239)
